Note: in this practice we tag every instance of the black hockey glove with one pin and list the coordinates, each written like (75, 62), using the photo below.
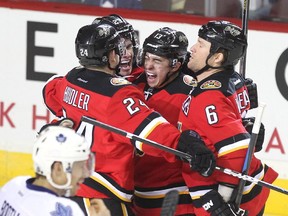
(213, 203)
(252, 93)
(202, 158)
(248, 124)
(65, 122)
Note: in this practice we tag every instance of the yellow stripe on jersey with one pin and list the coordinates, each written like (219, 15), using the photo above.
(101, 180)
(242, 144)
(249, 187)
(87, 204)
(148, 129)
(124, 209)
(198, 194)
(156, 194)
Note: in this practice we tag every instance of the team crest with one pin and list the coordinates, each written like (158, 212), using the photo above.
(119, 81)
(61, 210)
(189, 80)
(211, 84)
(61, 138)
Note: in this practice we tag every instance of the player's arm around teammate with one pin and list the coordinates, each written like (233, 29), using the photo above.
(213, 109)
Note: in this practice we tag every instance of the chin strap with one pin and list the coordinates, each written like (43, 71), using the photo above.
(168, 78)
(207, 66)
(66, 186)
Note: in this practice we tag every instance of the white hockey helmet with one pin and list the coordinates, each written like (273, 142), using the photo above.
(57, 143)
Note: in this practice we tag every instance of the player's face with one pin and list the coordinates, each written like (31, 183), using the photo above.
(199, 53)
(80, 171)
(156, 69)
(127, 59)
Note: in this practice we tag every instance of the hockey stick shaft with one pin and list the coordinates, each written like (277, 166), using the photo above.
(245, 17)
(179, 153)
(137, 138)
(250, 151)
(252, 180)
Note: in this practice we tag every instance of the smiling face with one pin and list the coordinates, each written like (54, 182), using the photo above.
(156, 69)
(126, 65)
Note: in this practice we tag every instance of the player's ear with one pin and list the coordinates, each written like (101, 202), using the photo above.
(57, 171)
(176, 66)
(219, 58)
(113, 57)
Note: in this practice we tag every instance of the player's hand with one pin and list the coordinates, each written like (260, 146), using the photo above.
(202, 158)
(98, 208)
(252, 93)
(213, 203)
(65, 122)
(248, 124)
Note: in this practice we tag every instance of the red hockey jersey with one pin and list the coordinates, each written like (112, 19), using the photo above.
(117, 102)
(154, 177)
(213, 109)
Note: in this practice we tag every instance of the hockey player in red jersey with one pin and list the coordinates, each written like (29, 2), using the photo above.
(165, 89)
(213, 109)
(94, 90)
(128, 67)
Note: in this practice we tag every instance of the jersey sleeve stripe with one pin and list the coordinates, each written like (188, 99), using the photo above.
(118, 193)
(243, 144)
(148, 129)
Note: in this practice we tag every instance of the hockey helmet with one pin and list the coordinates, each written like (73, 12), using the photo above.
(123, 28)
(166, 42)
(57, 143)
(225, 35)
(94, 42)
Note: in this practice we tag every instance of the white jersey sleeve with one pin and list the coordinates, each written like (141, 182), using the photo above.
(19, 199)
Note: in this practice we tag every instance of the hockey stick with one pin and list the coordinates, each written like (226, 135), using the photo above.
(137, 138)
(178, 153)
(252, 180)
(170, 203)
(250, 152)
(245, 16)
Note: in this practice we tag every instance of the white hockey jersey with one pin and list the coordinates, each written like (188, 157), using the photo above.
(19, 197)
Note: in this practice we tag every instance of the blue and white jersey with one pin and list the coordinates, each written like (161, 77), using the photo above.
(19, 197)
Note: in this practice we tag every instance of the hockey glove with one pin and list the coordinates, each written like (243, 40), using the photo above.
(65, 122)
(252, 93)
(213, 203)
(202, 158)
(248, 124)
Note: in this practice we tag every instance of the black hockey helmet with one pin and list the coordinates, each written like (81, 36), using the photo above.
(166, 42)
(123, 28)
(94, 42)
(225, 35)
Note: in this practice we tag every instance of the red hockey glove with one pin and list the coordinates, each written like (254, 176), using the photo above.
(213, 203)
(203, 159)
(248, 124)
(252, 93)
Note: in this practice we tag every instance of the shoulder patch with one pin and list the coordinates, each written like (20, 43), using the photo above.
(79, 67)
(117, 81)
(189, 80)
(211, 84)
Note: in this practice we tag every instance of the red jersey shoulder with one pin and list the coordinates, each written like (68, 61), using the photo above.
(181, 85)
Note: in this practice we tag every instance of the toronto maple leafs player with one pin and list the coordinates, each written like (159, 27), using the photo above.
(62, 161)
